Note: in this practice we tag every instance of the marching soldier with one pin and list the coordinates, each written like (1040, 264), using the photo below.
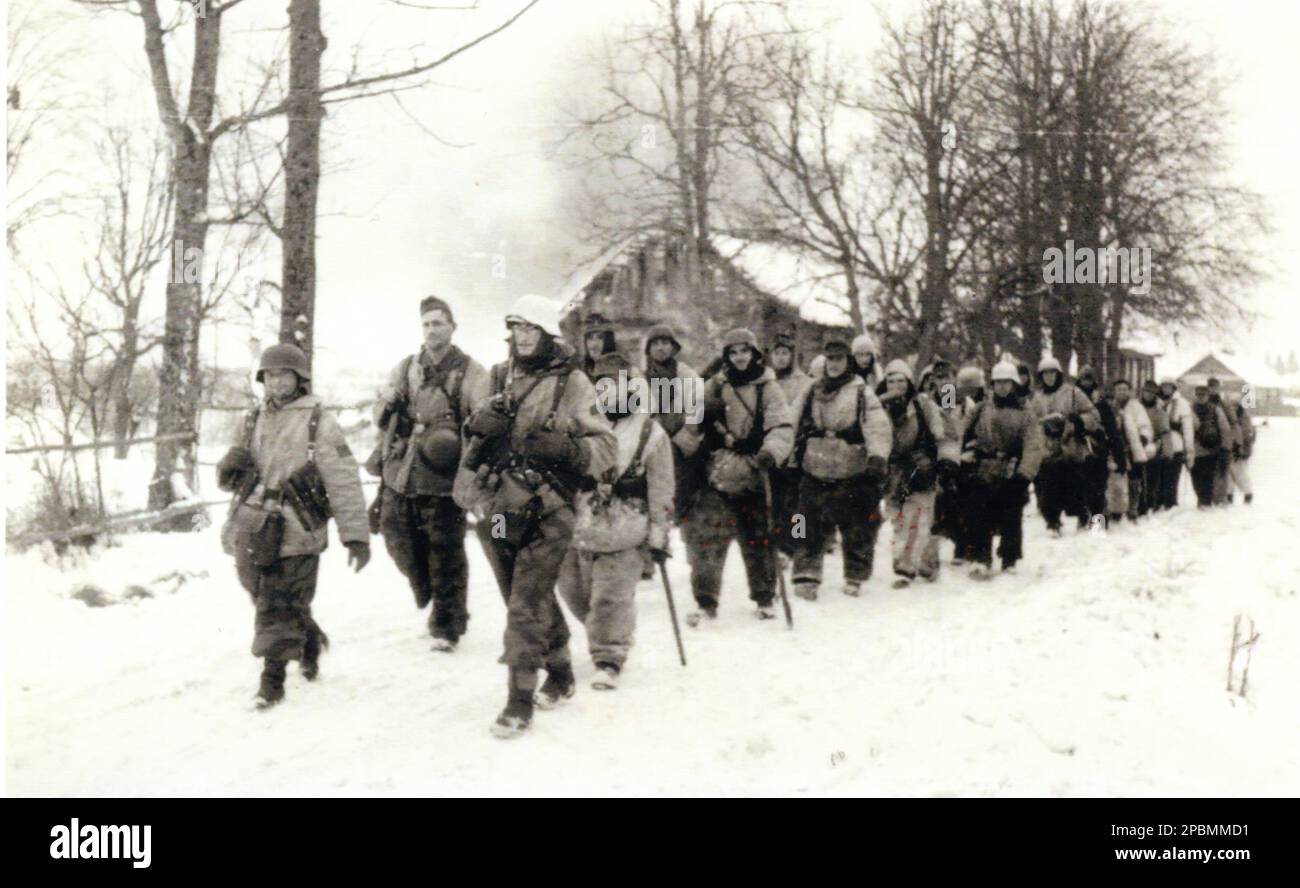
(842, 443)
(597, 339)
(1005, 443)
(536, 441)
(624, 518)
(1068, 418)
(290, 472)
(673, 379)
(420, 411)
(785, 478)
(924, 454)
(746, 433)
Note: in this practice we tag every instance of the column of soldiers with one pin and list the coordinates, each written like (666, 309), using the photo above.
(575, 477)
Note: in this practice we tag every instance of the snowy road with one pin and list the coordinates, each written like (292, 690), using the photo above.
(1098, 670)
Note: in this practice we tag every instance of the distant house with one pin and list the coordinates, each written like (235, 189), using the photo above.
(640, 281)
(1135, 366)
(1259, 382)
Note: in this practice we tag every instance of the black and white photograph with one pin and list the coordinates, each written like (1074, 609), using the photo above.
(652, 398)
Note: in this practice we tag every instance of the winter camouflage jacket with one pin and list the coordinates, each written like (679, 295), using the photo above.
(816, 412)
(1209, 413)
(1005, 432)
(671, 385)
(279, 448)
(576, 414)
(738, 406)
(429, 404)
(655, 467)
(1182, 426)
(1160, 430)
(1138, 434)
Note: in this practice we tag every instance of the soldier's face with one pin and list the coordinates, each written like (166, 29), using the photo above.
(280, 383)
(896, 385)
(740, 356)
(1002, 387)
(836, 366)
(437, 328)
(1122, 393)
(526, 337)
(863, 357)
(1166, 391)
(780, 358)
(1050, 377)
(661, 350)
(595, 343)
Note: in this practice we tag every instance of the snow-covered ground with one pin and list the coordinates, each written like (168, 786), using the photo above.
(1098, 670)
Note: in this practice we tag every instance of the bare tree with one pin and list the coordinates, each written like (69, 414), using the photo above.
(134, 239)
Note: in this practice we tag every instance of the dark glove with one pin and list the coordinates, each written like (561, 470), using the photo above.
(1135, 471)
(876, 469)
(765, 460)
(375, 513)
(1236, 451)
(234, 466)
(1076, 423)
(947, 475)
(358, 555)
(659, 556)
(550, 446)
(488, 422)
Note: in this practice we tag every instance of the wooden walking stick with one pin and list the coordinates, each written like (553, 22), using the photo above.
(672, 611)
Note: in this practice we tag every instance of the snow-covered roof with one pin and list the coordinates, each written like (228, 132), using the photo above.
(1243, 367)
(570, 292)
(814, 287)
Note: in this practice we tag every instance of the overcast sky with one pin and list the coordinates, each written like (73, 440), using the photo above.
(404, 213)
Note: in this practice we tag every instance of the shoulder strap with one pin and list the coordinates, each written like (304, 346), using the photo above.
(646, 429)
(250, 426)
(312, 424)
(405, 388)
(557, 395)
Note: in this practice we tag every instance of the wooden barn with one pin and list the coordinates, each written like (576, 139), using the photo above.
(1264, 386)
(641, 281)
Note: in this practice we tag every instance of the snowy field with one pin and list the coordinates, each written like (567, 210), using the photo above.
(1098, 670)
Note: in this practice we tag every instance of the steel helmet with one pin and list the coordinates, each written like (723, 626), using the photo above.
(284, 356)
(970, 377)
(1049, 363)
(1004, 370)
(536, 310)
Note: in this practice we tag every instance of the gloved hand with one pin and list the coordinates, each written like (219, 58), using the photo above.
(488, 422)
(876, 469)
(1076, 423)
(658, 556)
(947, 470)
(1135, 471)
(765, 460)
(358, 555)
(1236, 451)
(550, 446)
(237, 462)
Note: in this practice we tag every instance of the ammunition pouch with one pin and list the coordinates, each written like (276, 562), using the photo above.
(254, 536)
(513, 501)
(305, 492)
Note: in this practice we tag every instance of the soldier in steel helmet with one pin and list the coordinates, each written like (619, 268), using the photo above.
(290, 471)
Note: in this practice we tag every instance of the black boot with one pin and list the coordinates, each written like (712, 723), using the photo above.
(1248, 498)
(271, 690)
(559, 686)
(518, 714)
(311, 651)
